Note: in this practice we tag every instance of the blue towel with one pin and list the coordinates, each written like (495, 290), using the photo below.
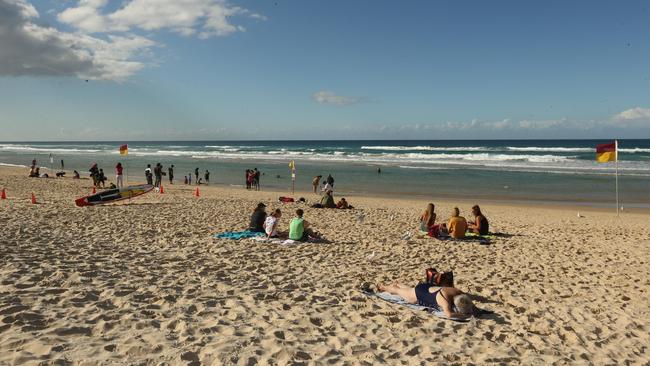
(236, 235)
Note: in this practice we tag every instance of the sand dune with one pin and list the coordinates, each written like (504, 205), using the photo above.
(144, 282)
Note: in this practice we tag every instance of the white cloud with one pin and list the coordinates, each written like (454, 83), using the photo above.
(633, 114)
(31, 49)
(328, 97)
(205, 18)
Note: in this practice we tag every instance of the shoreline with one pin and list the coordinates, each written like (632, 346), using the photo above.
(412, 198)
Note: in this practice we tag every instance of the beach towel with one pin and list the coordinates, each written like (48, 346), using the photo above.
(489, 236)
(394, 299)
(237, 235)
(264, 239)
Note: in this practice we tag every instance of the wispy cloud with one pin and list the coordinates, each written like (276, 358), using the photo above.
(328, 97)
(103, 47)
(632, 114)
(31, 49)
(204, 18)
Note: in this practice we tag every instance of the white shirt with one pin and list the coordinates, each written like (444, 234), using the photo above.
(328, 188)
(269, 226)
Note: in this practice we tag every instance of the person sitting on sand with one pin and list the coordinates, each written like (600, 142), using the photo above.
(428, 218)
(271, 224)
(343, 204)
(328, 201)
(457, 224)
(299, 229)
(450, 300)
(76, 175)
(257, 219)
(480, 225)
(327, 188)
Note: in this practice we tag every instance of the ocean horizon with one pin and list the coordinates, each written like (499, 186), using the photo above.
(563, 171)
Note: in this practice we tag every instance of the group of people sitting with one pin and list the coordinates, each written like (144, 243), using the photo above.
(299, 229)
(327, 201)
(457, 226)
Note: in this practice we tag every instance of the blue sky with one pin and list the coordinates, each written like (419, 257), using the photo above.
(323, 70)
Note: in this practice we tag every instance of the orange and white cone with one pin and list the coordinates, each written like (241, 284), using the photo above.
(3, 196)
(162, 190)
(34, 199)
(197, 193)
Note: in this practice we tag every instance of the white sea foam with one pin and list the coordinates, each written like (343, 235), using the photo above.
(551, 149)
(425, 148)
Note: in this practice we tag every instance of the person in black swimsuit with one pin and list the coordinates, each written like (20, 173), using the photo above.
(480, 224)
(450, 300)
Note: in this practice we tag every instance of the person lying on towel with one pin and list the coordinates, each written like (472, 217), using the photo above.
(450, 300)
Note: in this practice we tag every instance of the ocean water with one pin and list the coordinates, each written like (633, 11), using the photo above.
(514, 170)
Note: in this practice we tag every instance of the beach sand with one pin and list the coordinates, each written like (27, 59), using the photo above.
(144, 283)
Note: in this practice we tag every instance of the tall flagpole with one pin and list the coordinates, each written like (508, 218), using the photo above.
(616, 152)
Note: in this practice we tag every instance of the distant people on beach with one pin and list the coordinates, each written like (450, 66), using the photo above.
(62, 165)
(35, 172)
(327, 188)
(170, 173)
(428, 218)
(299, 229)
(257, 219)
(271, 224)
(101, 178)
(457, 224)
(207, 177)
(148, 174)
(256, 179)
(330, 180)
(378, 170)
(76, 175)
(189, 178)
(248, 179)
(196, 175)
(185, 180)
(94, 174)
(158, 173)
(328, 200)
(480, 225)
(315, 182)
(119, 178)
(343, 204)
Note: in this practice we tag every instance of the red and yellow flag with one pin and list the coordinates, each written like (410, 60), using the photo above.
(606, 152)
(124, 150)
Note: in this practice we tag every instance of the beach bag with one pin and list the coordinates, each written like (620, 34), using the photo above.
(441, 279)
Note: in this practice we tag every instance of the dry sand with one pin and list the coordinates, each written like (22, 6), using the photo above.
(144, 283)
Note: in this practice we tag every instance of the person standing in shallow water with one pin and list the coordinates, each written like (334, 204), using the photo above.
(170, 171)
(207, 177)
(148, 175)
(196, 175)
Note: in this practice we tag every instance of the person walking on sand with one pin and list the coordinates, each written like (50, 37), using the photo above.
(170, 171)
(119, 178)
(207, 177)
(315, 182)
(196, 175)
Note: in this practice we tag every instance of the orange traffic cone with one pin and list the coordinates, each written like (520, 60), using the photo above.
(34, 199)
(3, 196)
(197, 193)
(94, 190)
(162, 190)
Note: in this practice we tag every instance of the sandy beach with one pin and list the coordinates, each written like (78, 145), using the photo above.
(143, 282)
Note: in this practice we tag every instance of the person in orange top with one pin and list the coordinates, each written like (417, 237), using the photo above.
(457, 225)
